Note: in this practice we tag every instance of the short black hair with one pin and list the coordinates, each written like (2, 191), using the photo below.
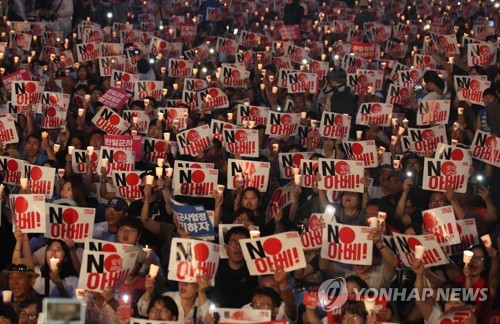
(432, 76)
(269, 292)
(236, 230)
(133, 222)
(490, 92)
(168, 302)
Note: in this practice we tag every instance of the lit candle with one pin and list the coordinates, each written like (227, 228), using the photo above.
(254, 234)
(70, 150)
(220, 189)
(297, 179)
(104, 163)
(90, 150)
(166, 137)
(24, 183)
(405, 123)
(56, 148)
(160, 116)
(275, 89)
(45, 134)
(169, 172)
(147, 250)
(229, 116)
(54, 262)
(153, 270)
(149, 180)
(160, 162)
(159, 171)
(80, 112)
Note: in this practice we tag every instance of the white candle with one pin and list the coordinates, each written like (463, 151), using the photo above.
(254, 234)
(229, 116)
(24, 183)
(70, 150)
(297, 178)
(80, 112)
(146, 102)
(7, 296)
(45, 134)
(153, 270)
(135, 119)
(486, 240)
(147, 250)
(54, 262)
(159, 171)
(90, 150)
(369, 304)
(275, 89)
(251, 124)
(160, 116)
(169, 172)
(405, 123)
(394, 121)
(149, 179)
(104, 163)
(160, 162)
(373, 222)
(359, 134)
(419, 251)
(276, 147)
(87, 97)
(56, 148)
(468, 256)
(401, 131)
(395, 164)
(166, 137)
(454, 142)
(303, 115)
(460, 111)
(394, 140)
(220, 189)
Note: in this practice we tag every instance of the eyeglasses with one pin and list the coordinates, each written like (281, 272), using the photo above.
(350, 318)
(261, 306)
(31, 316)
(128, 230)
(441, 202)
(478, 258)
(234, 244)
(56, 252)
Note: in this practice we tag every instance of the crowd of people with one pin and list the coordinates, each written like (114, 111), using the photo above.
(396, 185)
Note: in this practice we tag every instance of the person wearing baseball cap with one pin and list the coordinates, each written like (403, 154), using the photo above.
(114, 211)
(342, 100)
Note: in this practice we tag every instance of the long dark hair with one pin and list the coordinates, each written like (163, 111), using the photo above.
(77, 190)
(66, 265)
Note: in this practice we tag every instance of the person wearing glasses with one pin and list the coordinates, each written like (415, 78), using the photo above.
(31, 308)
(233, 283)
(355, 312)
(163, 308)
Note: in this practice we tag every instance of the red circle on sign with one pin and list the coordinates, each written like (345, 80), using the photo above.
(427, 134)
(272, 246)
(254, 112)
(342, 167)
(241, 136)
(181, 64)
(51, 112)
(90, 47)
(213, 92)
(427, 59)
(198, 84)
(172, 113)
(347, 235)
(193, 136)
(475, 85)
(36, 173)
(195, 166)
(125, 77)
(54, 99)
(302, 77)
(114, 119)
(236, 74)
(94, 156)
(113, 263)
(414, 74)
(448, 168)
(338, 120)
(201, 252)
(132, 179)
(198, 176)
(30, 87)
(109, 248)
(484, 50)
(430, 220)
(314, 224)
(70, 216)
(315, 65)
(12, 165)
(163, 44)
(286, 119)
(412, 242)
(376, 108)
(403, 92)
(446, 321)
(357, 148)
(150, 86)
(296, 159)
(120, 157)
(21, 205)
(251, 36)
(362, 79)
(358, 63)
(160, 146)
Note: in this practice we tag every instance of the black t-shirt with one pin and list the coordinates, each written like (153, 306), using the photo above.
(157, 212)
(233, 288)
